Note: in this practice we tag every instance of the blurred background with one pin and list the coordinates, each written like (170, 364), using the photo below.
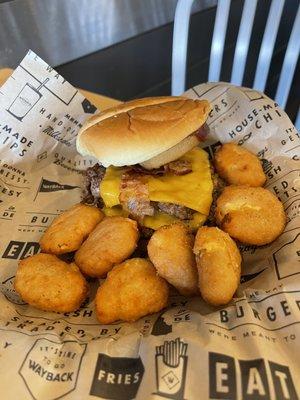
(123, 48)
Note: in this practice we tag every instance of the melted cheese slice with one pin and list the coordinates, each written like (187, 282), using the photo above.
(110, 186)
(193, 190)
(161, 219)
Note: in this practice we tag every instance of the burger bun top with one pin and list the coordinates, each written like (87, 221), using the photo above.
(140, 130)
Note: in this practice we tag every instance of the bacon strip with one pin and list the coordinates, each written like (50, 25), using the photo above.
(179, 167)
(141, 170)
(134, 195)
(202, 132)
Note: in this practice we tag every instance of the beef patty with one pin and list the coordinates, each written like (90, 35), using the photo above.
(133, 194)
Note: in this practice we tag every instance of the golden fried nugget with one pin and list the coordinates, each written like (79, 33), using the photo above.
(239, 166)
(219, 265)
(48, 283)
(250, 215)
(70, 229)
(113, 240)
(171, 251)
(132, 289)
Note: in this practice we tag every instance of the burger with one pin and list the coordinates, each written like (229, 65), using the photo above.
(149, 165)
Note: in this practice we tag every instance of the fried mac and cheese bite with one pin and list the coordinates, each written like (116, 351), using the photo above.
(238, 166)
(48, 283)
(113, 240)
(219, 265)
(171, 251)
(70, 229)
(132, 290)
(250, 215)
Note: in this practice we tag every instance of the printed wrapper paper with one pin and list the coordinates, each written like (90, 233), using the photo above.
(247, 350)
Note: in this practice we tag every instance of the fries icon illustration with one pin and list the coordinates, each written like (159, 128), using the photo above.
(171, 363)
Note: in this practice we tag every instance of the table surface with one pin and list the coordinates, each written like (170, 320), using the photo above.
(101, 102)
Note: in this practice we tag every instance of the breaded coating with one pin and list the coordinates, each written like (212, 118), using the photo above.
(48, 283)
(70, 229)
(250, 215)
(219, 265)
(113, 240)
(239, 166)
(132, 289)
(171, 251)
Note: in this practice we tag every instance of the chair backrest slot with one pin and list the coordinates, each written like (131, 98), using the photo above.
(297, 122)
(267, 46)
(243, 40)
(218, 40)
(180, 40)
(289, 63)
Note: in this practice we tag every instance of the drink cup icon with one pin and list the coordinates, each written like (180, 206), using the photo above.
(171, 364)
(26, 100)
